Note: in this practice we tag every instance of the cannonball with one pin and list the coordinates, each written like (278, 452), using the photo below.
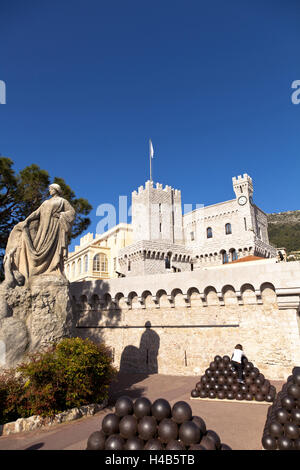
(243, 388)
(217, 359)
(212, 381)
(276, 429)
(226, 388)
(218, 373)
(128, 426)
(240, 396)
(234, 374)
(175, 445)
(207, 443)
(259, 396)
(235, 387)
(215, 437)
(198, 386)
(230, 395)
(265, 387)
(167, 430)
(248, 396)
(282, 415)
(208, 373)
(123, 406)
(225, 447)
(194, 393)
(288, 403)
(153, 444)
(269, 397)
(296, 377)
(253, 373)
(207, 387)
(226, 360)
(221, 395)
(226, 373)
(110, 424)
(221, 365)
(230, 381)
(200, 423)
(203, 394)
(204, 379)
(217, 387)
(213, 366)
(269, 442)
(134, 443)
(189, 433)
(212, 394)
(284, 443)
(161, 409)
(294, 391)
(142, 407)
(147, 427)
(295, 416)
(114, 442)
(181, 412)
(291, 430)
(221, 380)
(297, 444)
(96, 441)
(248, 381)
(253, 389)
(259, 381)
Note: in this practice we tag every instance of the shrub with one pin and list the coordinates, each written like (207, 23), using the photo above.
(12, 404)
(73, 373)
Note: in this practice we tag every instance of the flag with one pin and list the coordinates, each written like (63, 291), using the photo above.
(151, 149)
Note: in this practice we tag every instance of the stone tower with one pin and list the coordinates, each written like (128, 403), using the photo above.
(157, 214)
(243, 188)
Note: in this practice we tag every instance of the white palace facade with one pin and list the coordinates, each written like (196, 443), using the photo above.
(162, 239)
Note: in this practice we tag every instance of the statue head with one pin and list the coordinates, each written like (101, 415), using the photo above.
(55, 189)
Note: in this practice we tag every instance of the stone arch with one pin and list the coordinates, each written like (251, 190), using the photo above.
(162, 298)
(83, 302)
(248, 294)
(211, 296)
(194, 297)
(178, 298)
(95, 302)
(120, 300)
(268, 293)
(133, 300)
(147, 299)
(229, 295)
(107, 301)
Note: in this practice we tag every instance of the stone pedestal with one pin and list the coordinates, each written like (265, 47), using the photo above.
(34, 316)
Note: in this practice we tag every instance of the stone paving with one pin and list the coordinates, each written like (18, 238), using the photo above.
(239, 424)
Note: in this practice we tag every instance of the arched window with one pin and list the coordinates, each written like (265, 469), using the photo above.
(96, 263)
(234, 255)
(228, 229)
(103, 263)
(86, 263)
(79, 266)
(224, 257)
(168, 261)
(209, 233)
(73, 269)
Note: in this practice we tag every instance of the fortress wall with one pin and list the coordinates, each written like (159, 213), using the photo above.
(176, 323)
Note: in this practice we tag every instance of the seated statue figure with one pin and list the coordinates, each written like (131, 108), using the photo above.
(39, 244)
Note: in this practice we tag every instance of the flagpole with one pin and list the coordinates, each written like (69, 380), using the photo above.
(150, 158)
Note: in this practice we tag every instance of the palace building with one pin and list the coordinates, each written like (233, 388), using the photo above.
(162, 239)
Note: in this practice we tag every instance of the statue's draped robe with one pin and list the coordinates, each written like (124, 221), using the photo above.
(42, 245)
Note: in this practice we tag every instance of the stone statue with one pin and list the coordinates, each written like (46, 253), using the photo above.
(35, 304)
(39, 244)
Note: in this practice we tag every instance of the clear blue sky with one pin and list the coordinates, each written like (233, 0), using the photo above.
(90, 81)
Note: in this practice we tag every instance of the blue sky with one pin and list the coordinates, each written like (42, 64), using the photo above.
(90, 81)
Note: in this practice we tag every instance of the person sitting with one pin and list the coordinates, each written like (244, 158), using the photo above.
(237, 361)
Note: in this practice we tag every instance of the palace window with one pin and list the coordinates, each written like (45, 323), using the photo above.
(96, 263)
(86, 263)
(168, 262)
(209, 233)
(192, 236)
(228, 229)
(224, 257)
(103, 263)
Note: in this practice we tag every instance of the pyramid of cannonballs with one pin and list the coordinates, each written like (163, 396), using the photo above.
(142, 425)
(282, 428)
(221, 381)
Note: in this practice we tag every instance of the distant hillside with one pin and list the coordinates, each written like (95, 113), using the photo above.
(284, 230)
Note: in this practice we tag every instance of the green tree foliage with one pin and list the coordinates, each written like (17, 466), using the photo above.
(22, 193)
(73, 373)
(285, 235)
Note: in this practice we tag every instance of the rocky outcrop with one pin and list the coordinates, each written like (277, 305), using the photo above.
(34, 316)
